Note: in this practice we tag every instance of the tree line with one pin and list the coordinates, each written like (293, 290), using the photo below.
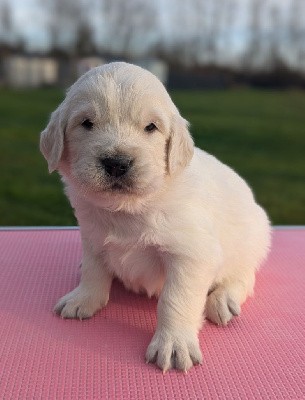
(247, 35)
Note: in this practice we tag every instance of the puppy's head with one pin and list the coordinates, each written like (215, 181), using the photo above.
(117, 132)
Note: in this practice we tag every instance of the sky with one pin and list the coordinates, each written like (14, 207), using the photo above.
(29, 21)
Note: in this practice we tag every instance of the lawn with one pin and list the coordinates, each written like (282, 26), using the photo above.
(260, 134)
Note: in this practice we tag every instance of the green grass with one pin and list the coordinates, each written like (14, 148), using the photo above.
(260, 134)
(28, 194)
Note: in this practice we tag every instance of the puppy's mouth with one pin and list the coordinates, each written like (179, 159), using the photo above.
(120, 187)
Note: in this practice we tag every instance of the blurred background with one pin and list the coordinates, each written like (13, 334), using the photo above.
(234, 68)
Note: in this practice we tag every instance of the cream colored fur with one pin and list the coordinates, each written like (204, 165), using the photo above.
(181, 225)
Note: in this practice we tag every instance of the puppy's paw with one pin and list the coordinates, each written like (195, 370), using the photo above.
(221, 307)
(80, 303)
(178, 350)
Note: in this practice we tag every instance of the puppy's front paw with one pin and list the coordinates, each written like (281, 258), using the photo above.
(81, 303)
(221, 307)
(178, 350)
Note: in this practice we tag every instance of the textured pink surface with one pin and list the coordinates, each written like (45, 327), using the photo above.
(260, 355)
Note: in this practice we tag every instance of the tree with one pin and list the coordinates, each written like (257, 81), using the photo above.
(6, 23)
(131, 26)
(274, 59)
(213, 31)
(69, 27)
(254, 46)
(84, 41)
(296, 32)
(6, 29)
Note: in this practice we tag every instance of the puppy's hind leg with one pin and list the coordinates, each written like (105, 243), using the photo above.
(226, 297)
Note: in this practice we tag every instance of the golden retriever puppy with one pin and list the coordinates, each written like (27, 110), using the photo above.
(162, 216)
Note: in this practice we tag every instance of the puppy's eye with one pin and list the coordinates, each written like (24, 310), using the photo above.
(87, 124)
(150, 128)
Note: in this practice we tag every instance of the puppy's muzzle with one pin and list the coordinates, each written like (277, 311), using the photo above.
(116, 166)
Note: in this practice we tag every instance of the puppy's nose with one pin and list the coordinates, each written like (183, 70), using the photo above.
(116, 166)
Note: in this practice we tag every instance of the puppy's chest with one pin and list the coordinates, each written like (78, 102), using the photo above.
(133, 255)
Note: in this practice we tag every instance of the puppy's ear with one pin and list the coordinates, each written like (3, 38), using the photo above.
(52, 139)
(180, 145)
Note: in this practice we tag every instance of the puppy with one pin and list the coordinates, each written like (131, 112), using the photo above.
(162, 216)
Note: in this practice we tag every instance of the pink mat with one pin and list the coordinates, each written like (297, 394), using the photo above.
(260, 355)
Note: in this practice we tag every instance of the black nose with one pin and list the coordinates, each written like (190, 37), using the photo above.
(116, 166)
